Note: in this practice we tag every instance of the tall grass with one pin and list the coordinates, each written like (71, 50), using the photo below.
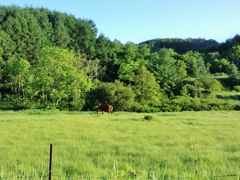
(86, 145)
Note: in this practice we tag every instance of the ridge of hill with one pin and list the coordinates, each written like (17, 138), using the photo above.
(181, 45)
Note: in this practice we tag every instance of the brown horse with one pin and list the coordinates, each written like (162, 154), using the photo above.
(107, 107)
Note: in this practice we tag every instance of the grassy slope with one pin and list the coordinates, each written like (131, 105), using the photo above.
(173, 145)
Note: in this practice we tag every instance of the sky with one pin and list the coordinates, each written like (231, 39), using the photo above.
(140, 20)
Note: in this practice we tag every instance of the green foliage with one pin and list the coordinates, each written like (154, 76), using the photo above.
(220, 65)
(146, 88)
(50, 59)
(229, 96)
(181, 46)
(25, 32)
(237, 88)
(232, 71)
(195, 64)
(201, 87)
(7, 47)
(165, 69)
(148, 117)
(131, 59)
(127, 71)
(17, 74)
(233, 54)
(233, 76)
(116, 94)
(58, 79)
(31, 29)
(109, 54)
(196, 104)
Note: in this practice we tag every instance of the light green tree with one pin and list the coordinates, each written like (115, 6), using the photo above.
(131, 60)
(232, 71)
(17, 75)
(60, 78)
(219, 65)
(127, 71)
(195, 64)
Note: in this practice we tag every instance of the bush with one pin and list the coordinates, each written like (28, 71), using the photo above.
(196, 104)
(148, 117)
(237, 88)
(116, 94)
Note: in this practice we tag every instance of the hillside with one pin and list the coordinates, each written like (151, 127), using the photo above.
(50, 59)
(181, 45)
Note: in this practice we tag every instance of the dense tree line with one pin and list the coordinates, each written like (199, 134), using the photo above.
(182, 45)
(50, 59)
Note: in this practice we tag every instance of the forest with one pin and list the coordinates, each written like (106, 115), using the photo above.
(55, 60)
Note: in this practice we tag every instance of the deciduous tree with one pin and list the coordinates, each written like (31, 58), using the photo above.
(116, 94)
(57, 78)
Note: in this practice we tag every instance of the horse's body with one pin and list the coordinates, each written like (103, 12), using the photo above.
(108, 108)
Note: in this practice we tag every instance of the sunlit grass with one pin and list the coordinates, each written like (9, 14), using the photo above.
(87, 145)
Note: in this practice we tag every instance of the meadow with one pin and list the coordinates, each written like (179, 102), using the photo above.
(122, 145)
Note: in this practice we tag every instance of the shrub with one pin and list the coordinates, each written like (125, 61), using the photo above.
(116, 94)
(237, 88)
(148, 117)
(196, 104)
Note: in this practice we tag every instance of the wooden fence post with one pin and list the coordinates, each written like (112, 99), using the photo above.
(50, 163)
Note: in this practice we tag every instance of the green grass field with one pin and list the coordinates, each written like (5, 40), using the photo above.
(122, 145)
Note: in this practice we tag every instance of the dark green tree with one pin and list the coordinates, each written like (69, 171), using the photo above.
(109, 54)
(195, 64)
(201, 87)
(25, 32)
(146, 88)
(106, 52)
(233, 55)
(131, 60)
(219, 66)
(120, 96)
(7, 46)
(60, 31)
(42, 17)
(165, 69)
(84, 36)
